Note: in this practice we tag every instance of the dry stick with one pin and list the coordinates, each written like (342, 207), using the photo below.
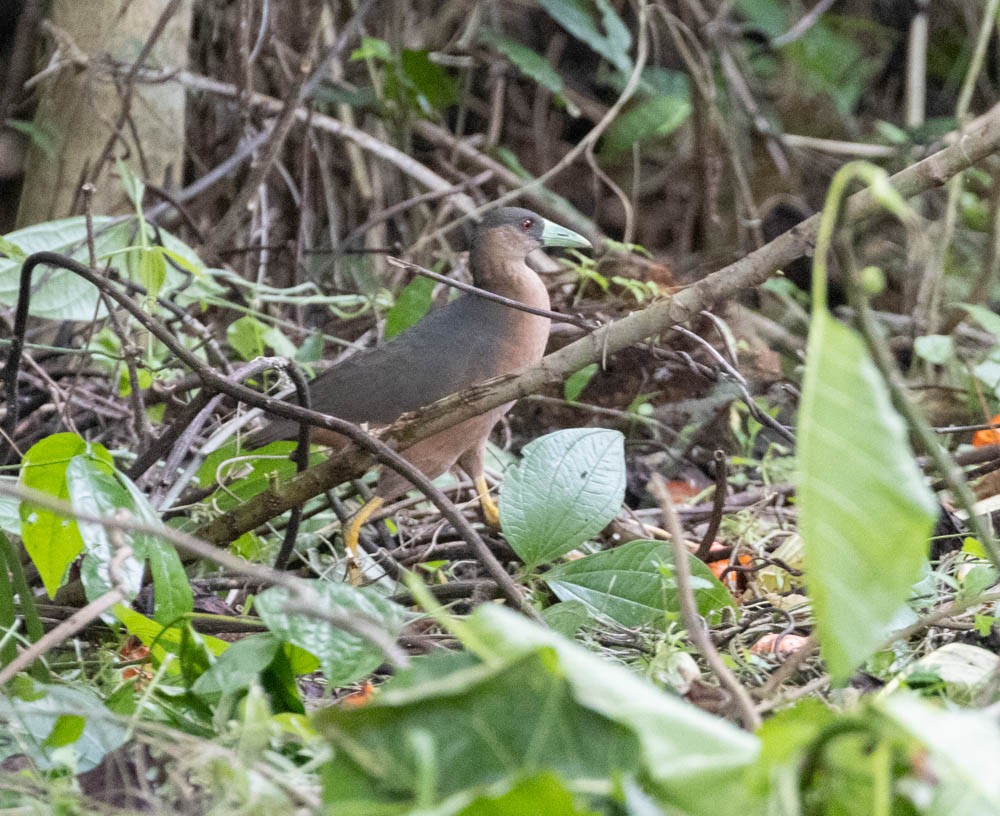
(689, 608)
(302, 591)
(268, 104)
(718, 504)
(371, 445)
(261, 168)
(747, 272)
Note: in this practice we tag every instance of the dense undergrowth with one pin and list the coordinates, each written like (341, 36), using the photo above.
(747, 559)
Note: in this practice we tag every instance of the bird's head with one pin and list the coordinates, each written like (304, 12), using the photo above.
(510, 234)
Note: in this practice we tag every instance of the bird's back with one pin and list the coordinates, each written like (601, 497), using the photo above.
(450, 349)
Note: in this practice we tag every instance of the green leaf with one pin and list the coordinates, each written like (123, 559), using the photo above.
(238, 666)
(134, 187)
(412, 303)
(67, 730)
(986, 318)
(345, 657)
(542, 793)
(865, 512)
(372, 48)
(539, 703)
(659, 116)
(10, 509)
(568, 487)
(254, 473)
(482, 724)
(613, 43)
(566, 617)
(632, 584)
(961, 672)
(311, 349)
(935, 348)
(152, 271)
(246, 336)
(432, 87)
(12, 250)
(963, 748)
(52, 540)
(171, 588)
(531, 64)
(93, 490)
(160, 640)
(46, 724)
(578, 380)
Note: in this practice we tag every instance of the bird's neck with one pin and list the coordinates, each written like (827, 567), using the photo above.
(507, 277)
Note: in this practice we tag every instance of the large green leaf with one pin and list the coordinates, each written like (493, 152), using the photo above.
(171, 588)
(569, 485)
(93, 490)
(52, 540)
(865, 511)
(345, 657)
(412, 303)
(542, 793)
(633, 584)
(483, 723)
(530, 63)
(538, 703)
(163, 641)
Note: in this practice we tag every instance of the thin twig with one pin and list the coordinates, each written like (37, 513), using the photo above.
(718, 504)
(689, 609)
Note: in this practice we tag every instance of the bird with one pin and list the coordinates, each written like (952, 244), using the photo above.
(464, 342)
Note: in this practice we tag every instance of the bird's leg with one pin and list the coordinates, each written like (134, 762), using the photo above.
(491, 513)
(352, 532)
(472, 463)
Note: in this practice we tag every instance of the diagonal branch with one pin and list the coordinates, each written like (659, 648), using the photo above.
(747, 272)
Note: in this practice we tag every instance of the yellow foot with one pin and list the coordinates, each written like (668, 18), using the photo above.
(491, 513)
(352, 532)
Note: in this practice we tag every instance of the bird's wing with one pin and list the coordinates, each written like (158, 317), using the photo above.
(450, 349)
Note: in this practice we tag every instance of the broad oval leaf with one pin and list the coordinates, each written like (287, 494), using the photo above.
(345, 657)
(52, 540)
(576, 16)
(865, 511)
(633, 584)
(568, 487)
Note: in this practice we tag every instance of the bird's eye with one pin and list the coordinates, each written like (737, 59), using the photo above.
(527, 224)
